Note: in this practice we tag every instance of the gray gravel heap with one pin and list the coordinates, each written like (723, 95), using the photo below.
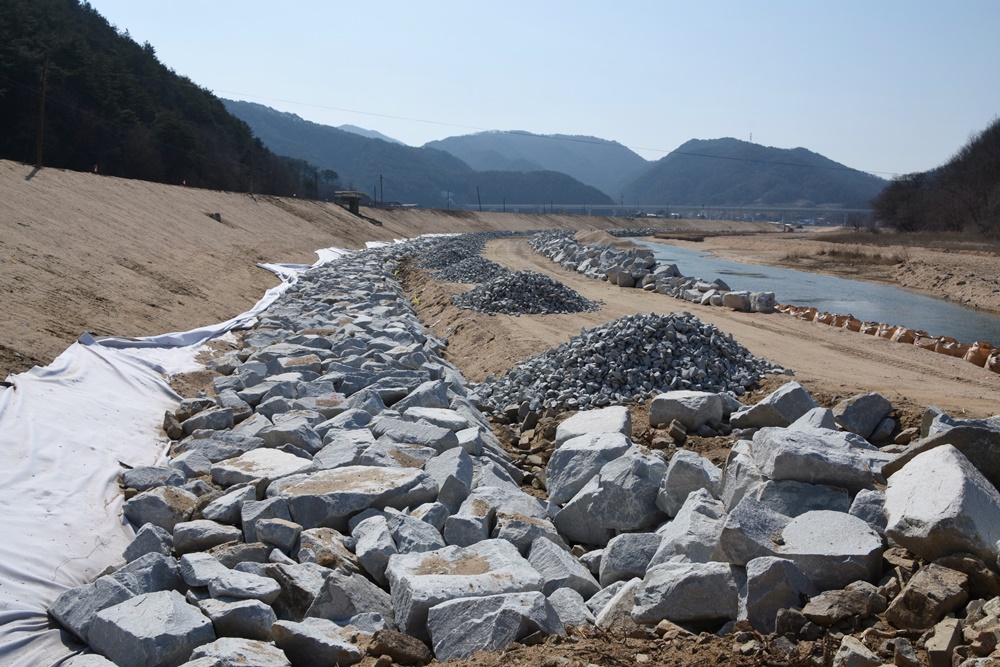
(628, 360)
(472, 270)
(444, 251)
(637, 268)
(524, 292)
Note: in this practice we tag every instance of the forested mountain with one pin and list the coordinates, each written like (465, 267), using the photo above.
(110, 105)
(404, 174)
(607, 165)
(730, 172)
(371, 134)
(963, 194)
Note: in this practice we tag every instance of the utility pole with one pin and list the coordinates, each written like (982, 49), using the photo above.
(375, 195)
(381, 189)
(41, 114)
(505, 203)
(479, 199)
(251, 163)
(447, 202)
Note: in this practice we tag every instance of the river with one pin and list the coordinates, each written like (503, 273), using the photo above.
(842, 296)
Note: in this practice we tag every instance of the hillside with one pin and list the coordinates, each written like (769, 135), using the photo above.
(371, 134)
(422, 176)
(606, 165)
(730, 172)
(112, 107)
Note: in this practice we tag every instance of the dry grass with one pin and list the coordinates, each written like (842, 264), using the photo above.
(856, 255)
(948, 241)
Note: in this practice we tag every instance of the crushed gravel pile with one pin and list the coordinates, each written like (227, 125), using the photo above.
(448, 250)
(472, 270)
(524, 292)
(628, 360)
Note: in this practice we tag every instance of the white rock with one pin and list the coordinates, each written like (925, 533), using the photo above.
(939, 504)
(560, 569)
(686, 472)
(315, 641)
(688, 593)
(772, 584)
(269, 463)
(232, 652)
(571, 608)
(578, 460)
(806, 456)
(627, 556)
(694, 533)
(690, 408)
(833, 549)
(615, 419)
(780, 408)
(422, 580)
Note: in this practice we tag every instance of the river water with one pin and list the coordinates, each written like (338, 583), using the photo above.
(841, 296)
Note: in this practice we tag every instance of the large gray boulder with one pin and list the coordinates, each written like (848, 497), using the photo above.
(578, 460)
(315, 641)
(627, 556)
(862, 413)
(621, 497)
(152, 630)
(560, 569)
(202, 535)
(690, 408)
(780, 408)
(268, 463)
(330, 497)
(374, 546)
(833, 549)
(772, 584)
(452, 471)
(686, 472)
(688, 593)
(250, 619)
(979, 444)
(794, 498)
(422, 580)
(459, 628)
(752, 530)
(740, 476)
(344, 596)
(961, 514)
(811, 456)
(75, 609)
(234, 652)
(163, 506)
(615, 419)
(571, 608)
(694, 533)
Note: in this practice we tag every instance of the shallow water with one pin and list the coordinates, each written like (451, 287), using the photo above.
(866, 301)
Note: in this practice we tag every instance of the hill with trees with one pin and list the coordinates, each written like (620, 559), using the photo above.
(111, 106)
(730, 172)
(405, 174)
(607, 165)
(961, 195)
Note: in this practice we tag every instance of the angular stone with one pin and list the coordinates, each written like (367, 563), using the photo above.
(452, 471)
(560, 569)
(414, 433)
(459, 628)
(688, 593)
(803, 456)
(255, 511)
(143, 478)
(315, 641)
(869, 506)
(621, 497)
(831, 607)
(163, 506)
(344, 596)
(852, 653)
(422, 580)
(300, 585)
(296, 432)
(961, 515)
(571, 608)
(780, 408)
(979, 444)
(816, 418)
(237, 652)
(475, 518)
(928, 596)
(615, 419)
(149, 574)
(940, 647)
(794, 498)
(388, 453)
(627, 556)
(268, 463)
(202, 535)
(686, 472)
(149, 539)
(773, 584)
(402, 648)
(411, 534)
(250, 619)
(217, 419)
(862, 413)
(343, 448)
(833, 549)
(442, 417)
(150, 630)
(751, 531)
(740, 477)
(328, 498)
(522, 530)
(229, 507)
(329, 548)
(374, 546)
(280, 533)
(690, 408)
(694, 533)
(75, 608)
(578, 460)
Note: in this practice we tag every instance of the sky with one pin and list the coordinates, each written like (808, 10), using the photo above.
(886, 86)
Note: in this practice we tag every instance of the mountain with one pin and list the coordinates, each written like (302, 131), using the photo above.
(607, 165)
(112, 107)
(405, 174)
(371, 134)
(730, 172)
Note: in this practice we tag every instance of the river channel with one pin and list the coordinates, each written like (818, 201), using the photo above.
(841, 296)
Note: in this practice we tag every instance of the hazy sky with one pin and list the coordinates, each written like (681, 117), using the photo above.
(886, 86)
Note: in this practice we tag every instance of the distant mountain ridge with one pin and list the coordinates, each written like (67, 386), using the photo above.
(423, 176)
(731, 172)
(371, 134)
(605, 164)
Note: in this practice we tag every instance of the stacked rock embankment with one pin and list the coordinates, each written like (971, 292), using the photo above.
(637, 268)
(342, 495)
(626, 361)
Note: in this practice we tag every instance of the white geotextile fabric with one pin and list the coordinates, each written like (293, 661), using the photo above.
(65, 430)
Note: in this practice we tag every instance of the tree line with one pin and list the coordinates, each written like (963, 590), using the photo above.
(110, 106)
(963, 195)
